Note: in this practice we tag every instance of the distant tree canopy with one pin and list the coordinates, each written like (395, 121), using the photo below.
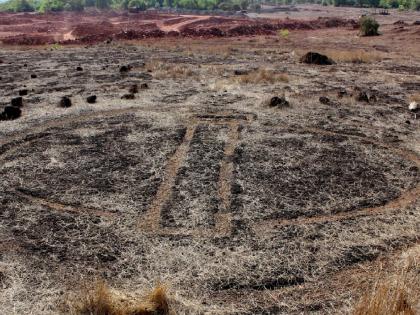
(228, 5)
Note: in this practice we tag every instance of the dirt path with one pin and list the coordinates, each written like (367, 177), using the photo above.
(179, 26)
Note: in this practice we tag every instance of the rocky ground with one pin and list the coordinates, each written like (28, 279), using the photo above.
(199, 180)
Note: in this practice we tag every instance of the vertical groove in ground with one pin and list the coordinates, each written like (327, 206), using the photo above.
(151, 221)
(223, 219)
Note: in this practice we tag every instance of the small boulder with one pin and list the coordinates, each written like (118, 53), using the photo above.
(144, 86)
(124, 69)
(241, 72)
(79, 69)
(316, 59)
(413, 107)
(17, 101)
(91, 99)
(23, 92)
(65, 102)
(324, 100)
(33, 76)
(10, 112)
(278, 102)
(342, 93)
(129, 96)
(133, 89)
(366, 96)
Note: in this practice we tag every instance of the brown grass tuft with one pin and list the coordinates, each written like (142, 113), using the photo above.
(388, 299)
(262, 76)
(414, 98)
(100, 301)
(161, 70)
(354, 56)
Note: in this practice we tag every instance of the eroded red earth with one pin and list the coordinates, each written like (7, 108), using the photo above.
(93, 27)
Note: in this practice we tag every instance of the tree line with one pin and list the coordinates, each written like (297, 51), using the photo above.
(227, 5)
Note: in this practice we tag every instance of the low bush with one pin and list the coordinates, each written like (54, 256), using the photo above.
(369, 26)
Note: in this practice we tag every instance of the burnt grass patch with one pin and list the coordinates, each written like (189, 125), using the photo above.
(96, 167)
(73, 196)
(289, 176)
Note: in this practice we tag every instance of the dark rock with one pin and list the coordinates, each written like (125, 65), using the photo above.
(129, 96)
(17, 101)
(365, 96)
(416, 22)
(33, 76)
(144, 86)
(91, 99)
(342, 93)
(124, 69)
(65, 102)
(133, 89)
(23, 92)
(236, 189)
(241, 72)
(324, 100)
(10, 112)
(79, 69)
(316, 58)
(278, 102)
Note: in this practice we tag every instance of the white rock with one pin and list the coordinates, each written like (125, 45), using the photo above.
(413, 106)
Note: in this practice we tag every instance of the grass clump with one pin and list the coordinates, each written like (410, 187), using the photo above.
(388, 299)
(369, 26)
(262, 76)
(99, 300)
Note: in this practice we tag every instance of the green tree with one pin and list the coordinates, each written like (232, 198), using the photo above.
(102, 4)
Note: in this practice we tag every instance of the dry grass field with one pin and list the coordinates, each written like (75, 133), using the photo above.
(194, 195)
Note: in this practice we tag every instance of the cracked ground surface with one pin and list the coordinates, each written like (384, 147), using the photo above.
(240, 208)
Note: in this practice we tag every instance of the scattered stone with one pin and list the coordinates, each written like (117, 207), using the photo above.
(129, 96)
(241, 72)
(342, 93)
(10, 112)
(144, 86)
(414, 108)
(236, 189)
(124, 69)
(91, 99)
(416, 22)
(324, 100)
(79, 69)
(17, 101)
(33, 76)
(278, 102)
(65, 102)
(366, 96)
(316, 58)
(133, 89)
(23, 92)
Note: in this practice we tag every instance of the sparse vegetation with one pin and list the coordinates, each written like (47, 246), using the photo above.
(261, 76)
(354, 56)
(245, 180)
(368, 26)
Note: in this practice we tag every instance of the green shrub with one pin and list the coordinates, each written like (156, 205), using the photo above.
(137, 4)
(368, 26)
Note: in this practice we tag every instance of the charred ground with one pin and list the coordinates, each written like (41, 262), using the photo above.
(240, 207)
